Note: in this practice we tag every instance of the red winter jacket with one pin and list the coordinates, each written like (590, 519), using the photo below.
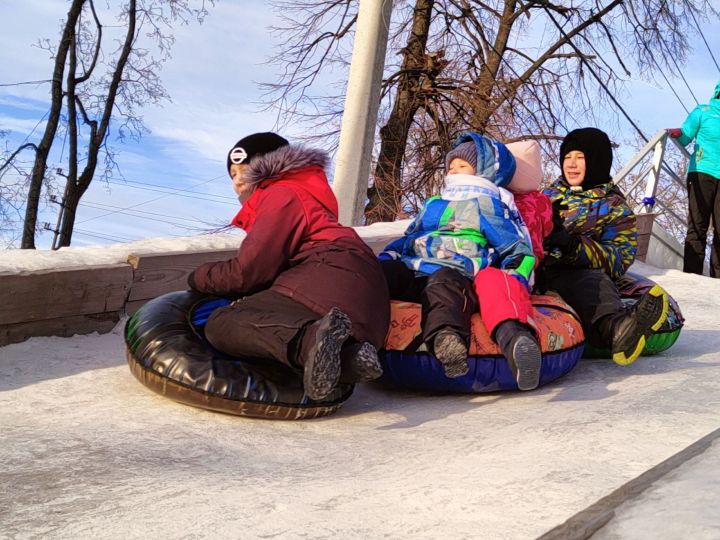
(295, 246)
(536, 210)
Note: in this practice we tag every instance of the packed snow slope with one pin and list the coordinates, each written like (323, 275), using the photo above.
(88, 452)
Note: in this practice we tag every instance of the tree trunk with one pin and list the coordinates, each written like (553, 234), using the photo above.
(98, 133)
(484, 106)
(43, 148)
(385, 195)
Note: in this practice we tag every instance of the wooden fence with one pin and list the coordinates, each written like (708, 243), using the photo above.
(66, 302)
(71, 301)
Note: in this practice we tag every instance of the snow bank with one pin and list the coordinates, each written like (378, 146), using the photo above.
(29, 260)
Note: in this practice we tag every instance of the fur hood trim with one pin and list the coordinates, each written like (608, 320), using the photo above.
(278, 163)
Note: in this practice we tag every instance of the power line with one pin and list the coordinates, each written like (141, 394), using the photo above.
(659, 68)
(672, 57)
(94, 204)
(179, 192)
(652, 56)
(155, 199)
(153, 217)
(105, 236)
(24, 83)
(702, 35)
(597, 77)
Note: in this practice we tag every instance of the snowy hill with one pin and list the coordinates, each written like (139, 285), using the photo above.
(89, 452)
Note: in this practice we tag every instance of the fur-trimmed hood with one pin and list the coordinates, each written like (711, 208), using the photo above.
(284, 160)
(301, 170)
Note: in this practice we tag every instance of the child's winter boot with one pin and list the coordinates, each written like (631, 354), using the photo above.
(452, 352)
(360, 363)
(631, 330)
(320, 353)
(522, 351)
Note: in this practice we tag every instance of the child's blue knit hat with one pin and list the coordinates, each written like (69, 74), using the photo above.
(465, 151)
(494, 161)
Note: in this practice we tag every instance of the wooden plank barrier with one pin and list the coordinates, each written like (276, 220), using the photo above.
(83, 300)
(71, 301)
(62, 302)
(155, 274)
(644, 230)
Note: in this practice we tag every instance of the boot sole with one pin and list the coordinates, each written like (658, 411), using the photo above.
(322, 370)
(366, 365)
(625, 360)
(528, 360)
(453, 355)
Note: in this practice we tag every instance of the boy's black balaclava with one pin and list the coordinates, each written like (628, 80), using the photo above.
(595, 144)
(252, 146)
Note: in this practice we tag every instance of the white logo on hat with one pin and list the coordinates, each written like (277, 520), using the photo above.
(238, 155)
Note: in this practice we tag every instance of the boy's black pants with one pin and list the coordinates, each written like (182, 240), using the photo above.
(703, 203)
(590, 292)
(263, 325)
(446, 296)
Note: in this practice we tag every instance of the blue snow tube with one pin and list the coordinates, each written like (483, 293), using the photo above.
(405, 365)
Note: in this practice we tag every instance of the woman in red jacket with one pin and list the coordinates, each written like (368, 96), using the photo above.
(309, 292)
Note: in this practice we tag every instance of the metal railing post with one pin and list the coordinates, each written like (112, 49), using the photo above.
(651, 187)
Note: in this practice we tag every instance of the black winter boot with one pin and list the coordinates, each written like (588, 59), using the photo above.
(321, 346)
(522, 351)
(631, 329)
(452, 352)
(360, 363)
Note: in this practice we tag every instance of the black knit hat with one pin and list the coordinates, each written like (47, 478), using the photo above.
(595, 144)
(252, 146)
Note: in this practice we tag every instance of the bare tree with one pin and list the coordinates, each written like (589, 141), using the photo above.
(98, 86)
(510, 68)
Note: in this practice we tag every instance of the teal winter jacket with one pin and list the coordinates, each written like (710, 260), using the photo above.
(703, 125)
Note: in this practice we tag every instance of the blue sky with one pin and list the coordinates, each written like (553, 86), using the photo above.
(212, 80)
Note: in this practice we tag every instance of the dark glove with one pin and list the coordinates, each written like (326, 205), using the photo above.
(559, 242)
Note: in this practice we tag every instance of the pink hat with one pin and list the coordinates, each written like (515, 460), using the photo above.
(528, 171)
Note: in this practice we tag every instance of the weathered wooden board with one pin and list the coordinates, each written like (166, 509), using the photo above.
(64, 327)
(84, 300)
(644, 229)
(159, 274)
(43, 295)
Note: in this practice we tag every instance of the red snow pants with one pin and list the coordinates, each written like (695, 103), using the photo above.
(501, 298)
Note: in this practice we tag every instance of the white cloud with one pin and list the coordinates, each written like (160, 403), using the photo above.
(21, 126)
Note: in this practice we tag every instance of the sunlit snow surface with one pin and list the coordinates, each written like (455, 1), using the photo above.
(88, 452)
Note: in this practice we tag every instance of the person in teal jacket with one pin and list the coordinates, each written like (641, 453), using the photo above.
(703, 184)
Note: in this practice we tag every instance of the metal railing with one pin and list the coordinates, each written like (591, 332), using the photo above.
(654, 179)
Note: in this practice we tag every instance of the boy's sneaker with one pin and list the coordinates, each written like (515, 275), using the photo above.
(522, 352)
(322, 361)
(452, 352)
(631, 330)
(360, 363)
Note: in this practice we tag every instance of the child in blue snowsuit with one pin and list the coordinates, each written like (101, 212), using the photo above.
(472, 226)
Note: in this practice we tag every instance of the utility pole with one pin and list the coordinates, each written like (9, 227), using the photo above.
(61, 212)
(362, 101)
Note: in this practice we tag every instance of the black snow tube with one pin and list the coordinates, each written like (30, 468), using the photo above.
(167, 352)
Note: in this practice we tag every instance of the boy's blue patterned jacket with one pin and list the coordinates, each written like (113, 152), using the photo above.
(473, 225)
(604, 223)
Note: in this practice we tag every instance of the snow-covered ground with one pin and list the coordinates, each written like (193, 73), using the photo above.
(88, 452)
